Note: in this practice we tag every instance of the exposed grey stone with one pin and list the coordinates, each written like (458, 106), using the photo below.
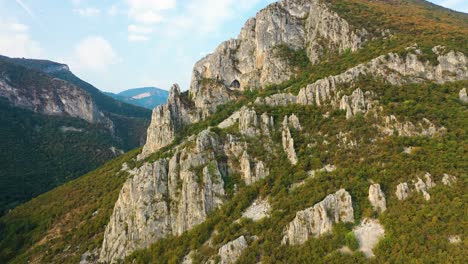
(421, 187)
(463, 96)
(288, 145)
(61, 98)
(166, 121)
(90, 257)
(258, 210)
(280, 99)
(429, 182)
(368, 234)
(377, 198)
(231, 251)
(355, 103)
(319, 219)
(449, 179)
(249, 174)
(251, 125)
(455, 239)
(168, 196)
(426, 128)
(402, 191)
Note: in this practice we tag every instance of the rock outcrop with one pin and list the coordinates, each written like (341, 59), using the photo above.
(231, 251)
(421, 187)
(252, 171)
(402, 191)
(368, 234)
(454, 239)
(252, 125)
(319, 219)
(167, 120)
(448, 179)
(288, 142)
(463, 96)
(426, 128)
(391, 68)
(258, 210)
(250, 60)
(168, 196)
(51, 96)
(356, 103)
(377, 198)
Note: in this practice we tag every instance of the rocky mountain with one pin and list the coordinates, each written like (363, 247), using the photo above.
(327, 132)
(147, 97)
(53, 130)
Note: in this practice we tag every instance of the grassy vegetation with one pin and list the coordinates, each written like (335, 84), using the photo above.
(59, 226)
(416, 230)
(416, 227)
(38, 154)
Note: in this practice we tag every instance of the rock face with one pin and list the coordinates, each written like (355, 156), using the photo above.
(463, 96)
(166, 120)
(287, 140)
(368, 234)
(251, 60)
(168, 196)
(402, 191)
(252, 125)
(231, 251)
(319, 219)
(391, 124)
(252, 171)
(377, 198)
(448, 179)
(258, 210)
(391, 68)
(51, 97)
(421, 187)
(455, 239)
(355, 103)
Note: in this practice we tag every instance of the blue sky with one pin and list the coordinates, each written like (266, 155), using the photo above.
(122, 44)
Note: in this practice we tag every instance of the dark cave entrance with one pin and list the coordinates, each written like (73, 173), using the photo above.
(235, 84)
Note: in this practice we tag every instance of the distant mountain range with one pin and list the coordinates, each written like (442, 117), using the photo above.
(55, 127)
(147, 97)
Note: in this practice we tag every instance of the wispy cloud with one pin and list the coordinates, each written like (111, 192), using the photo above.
(94, 53)
(25, 8)
(148, 11)
(16, 41)
(88, 11)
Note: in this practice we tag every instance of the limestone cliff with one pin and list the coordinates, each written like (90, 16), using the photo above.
(47, 95)
(319, 219)
(251, 61)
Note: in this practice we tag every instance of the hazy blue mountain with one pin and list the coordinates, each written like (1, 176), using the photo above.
(147, 97)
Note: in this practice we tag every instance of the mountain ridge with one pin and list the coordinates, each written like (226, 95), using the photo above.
(148, 97)
(349, 141)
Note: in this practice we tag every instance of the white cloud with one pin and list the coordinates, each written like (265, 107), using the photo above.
(139, 29)
(95, 54)
(138, 33)
(206, 16)
(149, 11)
(17, 42)
(137, 38)
(88, 11)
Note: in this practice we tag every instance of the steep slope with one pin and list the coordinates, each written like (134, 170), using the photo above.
(62, 71)
(341, 123)
(53, 131)
(147, 97)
